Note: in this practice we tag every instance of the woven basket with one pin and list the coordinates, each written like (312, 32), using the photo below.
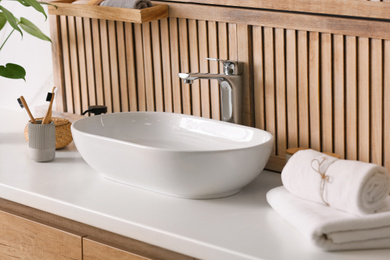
(63, 133)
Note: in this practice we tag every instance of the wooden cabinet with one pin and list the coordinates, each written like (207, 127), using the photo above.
(26, 239)
(28, 233)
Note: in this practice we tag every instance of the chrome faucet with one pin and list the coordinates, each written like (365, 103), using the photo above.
(229, 85)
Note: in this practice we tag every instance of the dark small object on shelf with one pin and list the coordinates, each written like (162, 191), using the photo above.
(96, 110)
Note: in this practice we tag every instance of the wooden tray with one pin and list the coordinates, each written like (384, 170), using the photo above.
(93, 10)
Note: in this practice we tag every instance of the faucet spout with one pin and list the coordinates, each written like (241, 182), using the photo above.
(189, 78)
(230, 93)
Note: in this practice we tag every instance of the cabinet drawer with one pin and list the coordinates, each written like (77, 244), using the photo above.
(93, 250)
(26, 239)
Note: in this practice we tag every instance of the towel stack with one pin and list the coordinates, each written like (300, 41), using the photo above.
(338, 204)
(133, 4)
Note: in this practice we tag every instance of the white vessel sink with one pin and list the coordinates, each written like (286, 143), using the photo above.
(174, 154)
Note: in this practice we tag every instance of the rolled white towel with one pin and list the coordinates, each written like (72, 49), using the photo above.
(332, 229)
(133, 4)
(352, 186)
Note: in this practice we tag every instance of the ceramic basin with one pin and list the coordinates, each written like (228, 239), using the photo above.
(173, 154)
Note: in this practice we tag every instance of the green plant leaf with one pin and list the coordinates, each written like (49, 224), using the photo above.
(32, 29)
(11, 19)
(23, 3)
(37, 6)
(3, 21)
(12, 71)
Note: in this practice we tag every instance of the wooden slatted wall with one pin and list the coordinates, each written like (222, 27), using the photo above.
(324, 91)
(134, 67)
(326, 87)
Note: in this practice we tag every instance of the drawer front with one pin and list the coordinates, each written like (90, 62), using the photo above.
(26, 239)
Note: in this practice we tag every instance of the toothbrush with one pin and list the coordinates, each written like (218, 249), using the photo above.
(23, 104)
(49, 97)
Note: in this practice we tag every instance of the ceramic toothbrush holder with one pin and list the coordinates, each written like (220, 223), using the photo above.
(41, 141)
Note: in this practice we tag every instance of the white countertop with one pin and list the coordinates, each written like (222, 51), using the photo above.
(242, 226)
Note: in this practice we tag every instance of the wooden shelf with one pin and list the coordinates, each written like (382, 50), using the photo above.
(158, 11)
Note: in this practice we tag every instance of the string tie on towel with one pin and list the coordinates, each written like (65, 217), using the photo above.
(322, 172)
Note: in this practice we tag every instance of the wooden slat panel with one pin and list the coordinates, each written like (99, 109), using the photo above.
(351, 98)
(176, 84)
(122, 69)
(74, 66)
(386, 104)
(339, 94)
(376, 88)
(57, 57)
(131, 73)
(326, 93)
(244, 52)
(184, 65)
(114, 70)
(292, 88)
(67, 66)
(258, 76)
(106, 65)
(214, 67)
(269, 82)
(166, 59)
(89, 57)
(157, 70)
(204, 68)
(314, 91)
(303, 89)
(148, 65)
(364, 99)
(82, 63)
(130, 63)
(223, 43)
(233, 45)
(97, 62)
(194, 66)
(280, 74)
(139, 65)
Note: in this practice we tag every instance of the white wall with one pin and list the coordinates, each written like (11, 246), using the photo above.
(31, 53)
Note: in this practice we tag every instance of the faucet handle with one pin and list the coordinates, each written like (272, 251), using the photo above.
(229, 67)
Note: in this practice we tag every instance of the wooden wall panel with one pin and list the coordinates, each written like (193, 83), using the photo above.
(341, 91)
(130, 67)
(325, 87)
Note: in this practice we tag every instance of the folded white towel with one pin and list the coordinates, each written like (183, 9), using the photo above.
(329, 228)
(352, 186)
(133, 4)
